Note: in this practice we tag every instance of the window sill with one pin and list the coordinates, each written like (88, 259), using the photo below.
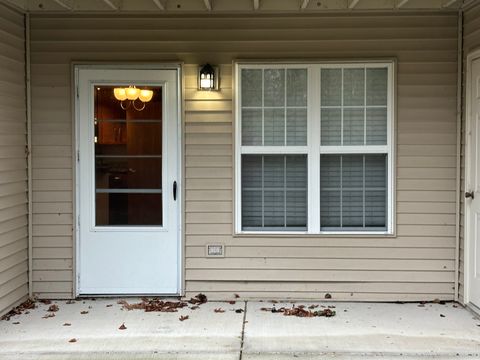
(303, 234)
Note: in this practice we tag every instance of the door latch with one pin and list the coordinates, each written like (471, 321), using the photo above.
(174, 190)
(469, 194)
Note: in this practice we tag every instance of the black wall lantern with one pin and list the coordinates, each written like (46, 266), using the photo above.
(208, 77)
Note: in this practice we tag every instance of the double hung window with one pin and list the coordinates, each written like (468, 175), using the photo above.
(314, 148)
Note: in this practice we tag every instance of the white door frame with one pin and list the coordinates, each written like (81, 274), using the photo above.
(467, 184)
(76, 176)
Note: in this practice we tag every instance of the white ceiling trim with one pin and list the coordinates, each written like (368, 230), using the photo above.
(304, 4)
(208, 4)
(159, 4)
(63, 4)
(353, 3)
(111, 4)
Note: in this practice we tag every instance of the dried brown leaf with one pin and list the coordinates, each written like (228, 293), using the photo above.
(67, 324)
(73, 340)
(122, 327)
(20, 309)
(183, 318)
(219, 310)
(198, 299)
(84, 312)
(53, 308)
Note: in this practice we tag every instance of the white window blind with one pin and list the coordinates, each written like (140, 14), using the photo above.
(314, 148)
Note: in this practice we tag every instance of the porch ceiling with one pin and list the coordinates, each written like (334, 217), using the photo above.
(230, 6)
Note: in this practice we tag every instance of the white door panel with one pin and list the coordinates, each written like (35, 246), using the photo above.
(473, 187)
(128, 227)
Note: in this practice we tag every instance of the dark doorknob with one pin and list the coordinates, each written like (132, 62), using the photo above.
(469, 194)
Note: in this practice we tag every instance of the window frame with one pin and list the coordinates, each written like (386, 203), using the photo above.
(314, 149)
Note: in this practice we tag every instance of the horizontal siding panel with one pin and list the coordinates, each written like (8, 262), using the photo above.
(53, 174)
(12, 200)
(207, 184)
(14, 283)
(54, 230)
(49, 196)
(19, 270)
(13, 236)
(318, 275)
(65, 287)
(335, 296)
(291, 252)
(52, 219)
(416, 207)
(14, 298)
(14, 259)
(323, 264)
(52, 276)
(52, 208)
(52, 253)
(52, 242)
(13, 176)
(409, 244)
(318, 287)
(52, 264)
(201, 206)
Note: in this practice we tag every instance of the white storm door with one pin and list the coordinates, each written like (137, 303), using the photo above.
(473, 186)
(127, 183)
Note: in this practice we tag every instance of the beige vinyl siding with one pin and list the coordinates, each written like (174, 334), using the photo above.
(416, 264)
(471, 42)
(13, 165)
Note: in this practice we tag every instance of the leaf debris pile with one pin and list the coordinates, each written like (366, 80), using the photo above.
(300, 311)
(20, 309)
(158, 305)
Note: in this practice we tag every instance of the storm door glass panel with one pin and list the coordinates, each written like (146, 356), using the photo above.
(128, 159)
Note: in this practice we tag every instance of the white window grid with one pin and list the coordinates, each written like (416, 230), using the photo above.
(314, 149)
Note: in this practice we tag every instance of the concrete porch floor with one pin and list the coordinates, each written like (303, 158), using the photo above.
(358, 331)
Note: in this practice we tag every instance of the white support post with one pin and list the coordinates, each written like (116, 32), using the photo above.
(256, 4)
